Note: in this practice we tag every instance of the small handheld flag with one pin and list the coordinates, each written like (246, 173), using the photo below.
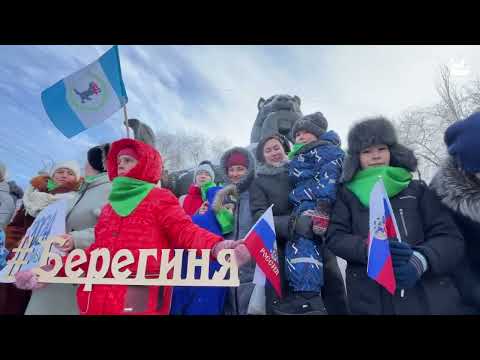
(87, 97)
(382, 227)
(262, 245)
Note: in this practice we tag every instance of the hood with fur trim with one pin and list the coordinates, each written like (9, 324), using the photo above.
(36, 196)
(221, 196)
(244, 183)
(458, 190)
(370, 132)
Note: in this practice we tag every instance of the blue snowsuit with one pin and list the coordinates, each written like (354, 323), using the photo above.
(207, 300)
(314, 173)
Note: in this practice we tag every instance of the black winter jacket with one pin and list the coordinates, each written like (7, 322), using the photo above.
(427, 226)
(460, 192)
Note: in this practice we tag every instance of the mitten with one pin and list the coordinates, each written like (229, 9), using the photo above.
(408, 273)
(400, 251)
(27, 280)
(320, 223)
(303, 226)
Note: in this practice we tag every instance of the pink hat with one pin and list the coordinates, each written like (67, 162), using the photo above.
(128, 151)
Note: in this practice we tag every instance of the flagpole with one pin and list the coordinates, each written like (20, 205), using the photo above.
(126, 120)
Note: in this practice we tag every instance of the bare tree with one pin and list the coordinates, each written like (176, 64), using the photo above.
(182, 149)
(422, 129)
(418, 131)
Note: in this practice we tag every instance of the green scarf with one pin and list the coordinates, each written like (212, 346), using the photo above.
(91, 178)
(51, 185)
(295, 149)
(127, 193)
(225, 220)
(204, 188)
(395, 179)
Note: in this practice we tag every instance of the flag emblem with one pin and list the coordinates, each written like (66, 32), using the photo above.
(87, 97)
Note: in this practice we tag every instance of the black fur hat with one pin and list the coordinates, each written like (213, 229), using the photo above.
(282, 139)
(375, 131)
(315, 124)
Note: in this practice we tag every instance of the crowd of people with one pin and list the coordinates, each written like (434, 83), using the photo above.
(321, 198)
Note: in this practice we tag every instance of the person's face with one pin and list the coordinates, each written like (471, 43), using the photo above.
(236, 172)
(304, 137)
(89, 170)
(273, 152)
(376, 155)
(125, 163)
(63, 176)
(202, 177)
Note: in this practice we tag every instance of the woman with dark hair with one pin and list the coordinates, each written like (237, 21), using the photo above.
(272, 186)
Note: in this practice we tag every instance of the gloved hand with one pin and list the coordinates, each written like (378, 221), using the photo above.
(400, 251)
(321, 217)
(409, 272)
(27, 280)
(303, 227)
(320, 222)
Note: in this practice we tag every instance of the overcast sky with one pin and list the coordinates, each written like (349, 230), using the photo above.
(215, 89)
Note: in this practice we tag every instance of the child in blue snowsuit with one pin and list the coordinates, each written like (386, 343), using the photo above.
(205, 300)
(314, 171)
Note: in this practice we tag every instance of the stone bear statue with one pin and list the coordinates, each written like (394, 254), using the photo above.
(276, 114)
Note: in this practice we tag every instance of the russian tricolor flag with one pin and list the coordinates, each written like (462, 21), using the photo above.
(262, 245)
(382, 227)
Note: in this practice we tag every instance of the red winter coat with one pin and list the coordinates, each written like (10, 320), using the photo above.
(193, 200)
(158, 222)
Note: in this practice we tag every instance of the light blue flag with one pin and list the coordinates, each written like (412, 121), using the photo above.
(87, 97)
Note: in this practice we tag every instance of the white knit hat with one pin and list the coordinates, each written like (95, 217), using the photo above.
(69, 164)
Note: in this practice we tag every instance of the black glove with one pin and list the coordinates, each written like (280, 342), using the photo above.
(303, 227)
(400, 251)
(408, 273)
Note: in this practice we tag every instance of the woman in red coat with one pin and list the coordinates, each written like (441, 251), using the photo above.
(139, 216)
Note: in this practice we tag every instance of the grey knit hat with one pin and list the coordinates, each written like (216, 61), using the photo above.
(375, 131)
(204, 166)
(315, 124)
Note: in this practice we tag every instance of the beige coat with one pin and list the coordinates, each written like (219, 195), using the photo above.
(82, 215)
